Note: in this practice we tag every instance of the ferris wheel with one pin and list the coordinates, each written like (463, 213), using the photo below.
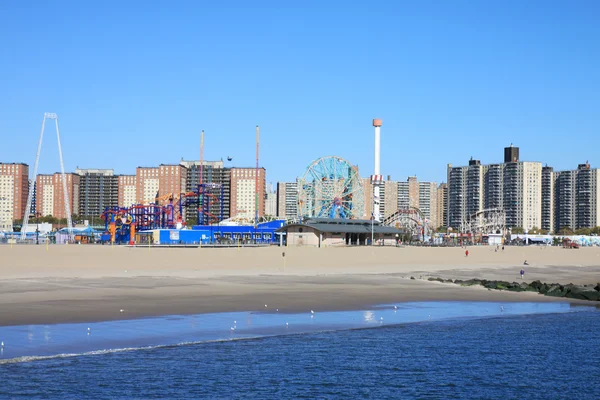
(331, 188)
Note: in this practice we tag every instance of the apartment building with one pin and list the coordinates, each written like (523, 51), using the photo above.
(428, 202)
(548, 199)
(523, 194)
(565, 200)
(287, 200)
(14, 189)
(51, 196)
(271, 201)
(514, 186)
(127, 190)
(146, 185)
(442, 204)
(98, 189)
(244, 192)
(389, 200)
(576, 198)
(213, 172)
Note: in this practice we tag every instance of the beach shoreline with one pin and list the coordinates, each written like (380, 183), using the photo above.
(78, 283)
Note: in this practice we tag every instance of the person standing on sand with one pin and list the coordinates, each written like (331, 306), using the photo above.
(467, 253)
(522, 273)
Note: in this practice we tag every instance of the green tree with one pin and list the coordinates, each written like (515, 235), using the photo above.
(517, 230)
(583, 231)
(565, 230)
(442, 229)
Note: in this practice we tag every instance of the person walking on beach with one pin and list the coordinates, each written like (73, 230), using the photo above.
(466, 253)
(502, 247)
(522, 273)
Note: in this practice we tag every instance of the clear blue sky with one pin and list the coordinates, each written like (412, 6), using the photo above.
(134, 83)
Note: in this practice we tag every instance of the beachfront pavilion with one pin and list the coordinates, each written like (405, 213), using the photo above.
(319, 232)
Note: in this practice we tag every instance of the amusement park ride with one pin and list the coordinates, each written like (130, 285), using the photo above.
(330, 188)
(123, 222)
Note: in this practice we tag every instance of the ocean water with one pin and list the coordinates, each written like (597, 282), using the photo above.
(431, 350)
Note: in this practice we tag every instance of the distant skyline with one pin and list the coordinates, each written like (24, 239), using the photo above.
(134, 83)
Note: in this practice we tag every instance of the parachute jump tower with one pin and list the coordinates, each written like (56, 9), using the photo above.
(377, 178)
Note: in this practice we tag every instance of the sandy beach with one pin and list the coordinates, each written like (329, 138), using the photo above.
(76, 283)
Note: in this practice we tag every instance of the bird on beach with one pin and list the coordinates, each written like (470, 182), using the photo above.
(2, 344)
(234, 322)
(121, 310)
(89, 331)
(287, 324)
(312, 312)
(381, 319)
(265, 306)
(395, 307)
(232, 328)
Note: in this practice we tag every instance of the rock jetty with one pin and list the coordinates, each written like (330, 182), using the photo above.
(571, 291)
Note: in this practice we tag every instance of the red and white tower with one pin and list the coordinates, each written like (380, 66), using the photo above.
(377, 178)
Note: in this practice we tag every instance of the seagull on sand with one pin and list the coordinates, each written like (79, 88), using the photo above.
(287, 324)
(265, 306)
(121, 310)
(2, 344)
(89, 331)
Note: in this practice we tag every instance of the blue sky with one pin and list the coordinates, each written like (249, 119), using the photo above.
(134, 84)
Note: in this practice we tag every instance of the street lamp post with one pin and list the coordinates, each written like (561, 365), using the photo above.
(37, 229)
(372, 224)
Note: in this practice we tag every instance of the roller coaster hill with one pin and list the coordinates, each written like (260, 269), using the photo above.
(147, 223)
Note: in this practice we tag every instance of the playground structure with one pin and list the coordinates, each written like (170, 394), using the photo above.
(331, 188)
(412, 219)
(121, 223)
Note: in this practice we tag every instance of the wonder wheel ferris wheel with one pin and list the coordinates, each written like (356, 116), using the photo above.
(331, 188)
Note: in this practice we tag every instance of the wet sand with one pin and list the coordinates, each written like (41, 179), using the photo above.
(77, 283)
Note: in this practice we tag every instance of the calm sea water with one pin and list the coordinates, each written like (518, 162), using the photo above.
(542, 356)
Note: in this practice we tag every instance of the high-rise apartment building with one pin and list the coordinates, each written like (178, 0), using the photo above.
(146, 185)
(51, 198)
(442, 204)
(244, 192)
(548, 199)
(523, 194)
(494, 186)
(271, 201)
(14, 189)
(213, 172)
(389, 201)
(457, 187)
(576, 198)
(98, 189)
(514, 186)
(127, 190)
(287, 200)
(172, 179)
(428, 202)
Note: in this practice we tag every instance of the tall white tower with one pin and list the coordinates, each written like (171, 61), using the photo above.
(377, 178)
